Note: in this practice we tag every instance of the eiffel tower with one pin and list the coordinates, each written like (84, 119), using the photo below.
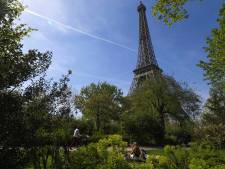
(147, 66)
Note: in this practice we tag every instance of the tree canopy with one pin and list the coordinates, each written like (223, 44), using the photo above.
(214, 66)
(158, 102)
(170, 11)
(101, 102)
(16, 66)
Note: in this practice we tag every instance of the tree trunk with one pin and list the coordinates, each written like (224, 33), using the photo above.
(162, 121)
(66, 153)
(35, 159)
(98, 122)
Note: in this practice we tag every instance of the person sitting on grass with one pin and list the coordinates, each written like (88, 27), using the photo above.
(135, 151)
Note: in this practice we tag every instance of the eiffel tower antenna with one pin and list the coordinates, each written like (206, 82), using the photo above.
(147, 66)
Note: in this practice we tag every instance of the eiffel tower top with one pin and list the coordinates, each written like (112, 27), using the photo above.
(141, 6)
(146, 55)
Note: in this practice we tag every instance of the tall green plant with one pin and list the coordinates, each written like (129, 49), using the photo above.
(100, 102)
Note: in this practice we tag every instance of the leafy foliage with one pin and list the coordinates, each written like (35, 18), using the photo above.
(35, 119)
(107, 153)
(212, 125)
(15, 66)
(200, 156)
(13, 158)
(213, 121)
(157, 103)
(215, 106)
(214, 66)
(101, 102)
(170, 11)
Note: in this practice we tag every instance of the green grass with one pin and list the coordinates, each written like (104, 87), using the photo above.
(158, 151)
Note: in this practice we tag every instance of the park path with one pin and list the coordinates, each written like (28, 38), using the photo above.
(129, 148)
(145, 148)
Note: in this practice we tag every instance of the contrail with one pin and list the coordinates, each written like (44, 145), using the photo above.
(80, 31)
(103, 78)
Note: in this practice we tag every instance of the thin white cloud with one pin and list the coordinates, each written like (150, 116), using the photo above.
(121, 82)
(80, 31)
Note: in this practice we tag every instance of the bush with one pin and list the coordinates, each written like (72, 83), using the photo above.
(219, 167)
(13, 158)
(143, 128)
(85, 157)
(208, 153)
(177, 135)
(158, 161)
(198, 156)
(107, 153)
(177, 156)
(96, 137)
(198, 164)
(213, 133)
(143, 166)
(115, 161)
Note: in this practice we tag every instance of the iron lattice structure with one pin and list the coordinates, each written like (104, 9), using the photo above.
(147, 66)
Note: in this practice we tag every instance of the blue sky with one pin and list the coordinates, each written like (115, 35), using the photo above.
(98, 40)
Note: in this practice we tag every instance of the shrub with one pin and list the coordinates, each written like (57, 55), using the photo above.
(143, 166)
(158, 161)
(198, 156)
(13, 158)
(142, 128)
(107, 153)
(177, 157)
(176, 135)
(115, 161)
(96, 137)
(219, 167)
(208, 153)
(198, 164)
(85, 157)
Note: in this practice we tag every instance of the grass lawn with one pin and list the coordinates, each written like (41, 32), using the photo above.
(158, 151)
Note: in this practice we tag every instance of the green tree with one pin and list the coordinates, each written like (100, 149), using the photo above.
(30, 118)
(212, 126)
(170, 11)
(214, 66)
(160, 101)
(213, 121)
(48, 120)
(101, 102)
(16, 66)
(215, 106)
(4, 8)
